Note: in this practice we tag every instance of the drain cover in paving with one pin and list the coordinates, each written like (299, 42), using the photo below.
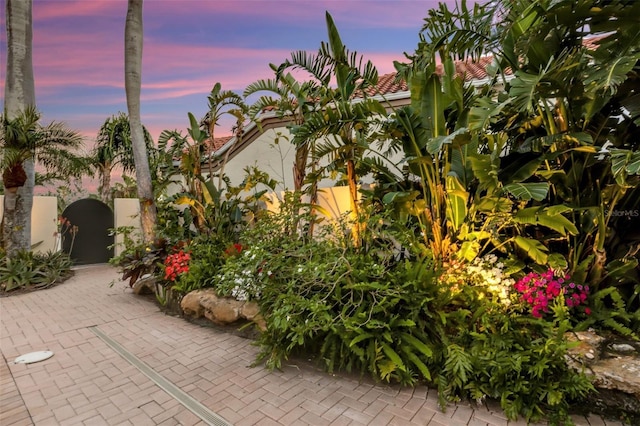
(32, 357)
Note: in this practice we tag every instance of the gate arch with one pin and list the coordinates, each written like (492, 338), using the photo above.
(92, 242)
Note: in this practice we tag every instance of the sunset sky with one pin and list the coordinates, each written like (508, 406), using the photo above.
(189, 45)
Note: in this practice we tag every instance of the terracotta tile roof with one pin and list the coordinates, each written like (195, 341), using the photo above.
(387, 83)
(217, 143)
(470, 70)
(592, 43)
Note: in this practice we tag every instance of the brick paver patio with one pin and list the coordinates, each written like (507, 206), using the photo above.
(88, 382)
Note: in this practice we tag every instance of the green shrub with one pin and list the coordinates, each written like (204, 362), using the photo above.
(382, 310)
(142, 259)
(507, 354)
(33, 270)
(207, 258)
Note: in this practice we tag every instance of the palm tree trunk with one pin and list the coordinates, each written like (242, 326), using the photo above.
(105, 183)
(18, 95)
(300, 167)
(133, 35)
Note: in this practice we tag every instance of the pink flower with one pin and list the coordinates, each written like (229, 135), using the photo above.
(538, 290)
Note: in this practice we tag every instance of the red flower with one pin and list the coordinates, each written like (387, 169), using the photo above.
(176, 264)
(233, 250)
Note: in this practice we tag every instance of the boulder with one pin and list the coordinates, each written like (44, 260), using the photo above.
(220, 310)
(613, 366)
(585, 348)
(145, 285)
(190, 305)
(620, 373)
(251, 312)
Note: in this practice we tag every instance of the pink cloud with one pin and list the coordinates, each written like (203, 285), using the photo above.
(43, 10)
(74, 64)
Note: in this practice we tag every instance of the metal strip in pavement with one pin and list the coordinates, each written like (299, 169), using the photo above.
(185, 399)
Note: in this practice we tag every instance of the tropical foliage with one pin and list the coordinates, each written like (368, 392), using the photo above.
(502, 217)
(113, 149)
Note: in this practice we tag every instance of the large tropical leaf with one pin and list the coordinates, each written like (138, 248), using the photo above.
(611, 74)
(485, 168)
(456, 202)
(493, 204)
(534, 249)
(520, 167)
(623, 163)
(527, 191)
(484, 113)
(428, 100)
(468, 250)
(623, 270)
(548, 217)
(524, 89)
(460, 136)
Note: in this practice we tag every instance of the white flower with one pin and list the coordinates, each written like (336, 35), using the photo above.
(239, 294)
(491, 258)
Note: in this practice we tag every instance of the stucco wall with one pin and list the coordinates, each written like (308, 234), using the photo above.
(126, 213)
(273, 153)
(44, 221)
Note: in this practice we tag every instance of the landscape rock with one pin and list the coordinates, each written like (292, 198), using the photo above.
(190, 304)
(622, 348)
(145, 285)
(588, 347)
(220, 310)
(613, 367)
(250, 310)
(619, 373)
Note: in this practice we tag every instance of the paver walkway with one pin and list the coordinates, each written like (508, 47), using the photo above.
(88, 381)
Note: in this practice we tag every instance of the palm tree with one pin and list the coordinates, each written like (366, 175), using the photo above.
(343, 124)
(19, 93)
(23, 140)
(133, 35)
(220, 102)
(291, 100)
(113, 148)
